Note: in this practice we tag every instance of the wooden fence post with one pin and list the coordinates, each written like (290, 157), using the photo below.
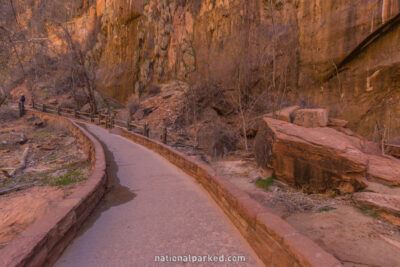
(44, 108)
(146, 130)
(21, 109)
(164, 135)
(59, 110)
(112, 121)
(76, 115)
(128, 124)
(91, 116)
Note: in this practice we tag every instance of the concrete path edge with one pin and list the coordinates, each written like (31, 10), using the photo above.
(42, 243)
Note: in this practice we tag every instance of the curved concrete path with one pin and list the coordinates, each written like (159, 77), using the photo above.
(170, 215)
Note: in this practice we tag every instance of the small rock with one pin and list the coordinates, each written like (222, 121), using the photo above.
(333, 122)
(38, 124)
(52, 101)
(286, 114)
(5, 151)
(311, 118)
(47, 148)
(23, 139)
(85, 108)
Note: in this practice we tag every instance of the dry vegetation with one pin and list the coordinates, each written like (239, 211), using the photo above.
(54, 166)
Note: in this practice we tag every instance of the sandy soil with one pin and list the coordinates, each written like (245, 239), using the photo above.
(20, 209)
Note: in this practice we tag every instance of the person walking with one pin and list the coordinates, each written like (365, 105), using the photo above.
(22, 106)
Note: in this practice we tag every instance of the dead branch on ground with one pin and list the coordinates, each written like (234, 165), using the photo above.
(23, 164)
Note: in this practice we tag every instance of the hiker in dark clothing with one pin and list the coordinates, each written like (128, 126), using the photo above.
(21, 106)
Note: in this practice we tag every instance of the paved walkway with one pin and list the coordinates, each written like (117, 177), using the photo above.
(168, 214)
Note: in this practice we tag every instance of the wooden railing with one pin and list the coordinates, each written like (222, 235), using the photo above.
(108, 120)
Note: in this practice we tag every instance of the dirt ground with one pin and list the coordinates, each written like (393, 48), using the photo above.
(55, 166)
(358, 237)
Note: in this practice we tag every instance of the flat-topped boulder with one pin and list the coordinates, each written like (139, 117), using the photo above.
(315, 159)
(311, 118)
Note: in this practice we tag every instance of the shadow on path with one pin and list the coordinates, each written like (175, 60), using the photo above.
(116, 194)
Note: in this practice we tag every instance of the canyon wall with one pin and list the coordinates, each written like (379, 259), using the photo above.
(338, 54)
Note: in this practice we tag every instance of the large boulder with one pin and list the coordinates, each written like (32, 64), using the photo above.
(315, 159)
(311, 118)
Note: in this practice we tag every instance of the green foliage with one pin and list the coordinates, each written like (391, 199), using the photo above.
(369, 212)
(326, 209)
(265, 183)
(52, 158)
(71, 177)
(45, 91)
(43, 134)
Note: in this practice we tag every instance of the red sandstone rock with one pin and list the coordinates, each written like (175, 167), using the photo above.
(333, 122)
(311, 118)
(384, 169)
(287, 113)
(393, 150)
(317, 159)
(388, 203)
(387, 206)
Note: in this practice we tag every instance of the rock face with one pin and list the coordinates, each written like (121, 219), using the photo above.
(311, 118)
(350, 68)
(317, 160)
(147, 42)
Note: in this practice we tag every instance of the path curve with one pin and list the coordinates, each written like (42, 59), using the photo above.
(170, 215)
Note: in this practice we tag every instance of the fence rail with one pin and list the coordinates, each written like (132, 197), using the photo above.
(108, 120)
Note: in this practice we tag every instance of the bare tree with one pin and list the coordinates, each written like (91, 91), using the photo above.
(274, 41)
(19, 60)
(3, 97)
(79, 61)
